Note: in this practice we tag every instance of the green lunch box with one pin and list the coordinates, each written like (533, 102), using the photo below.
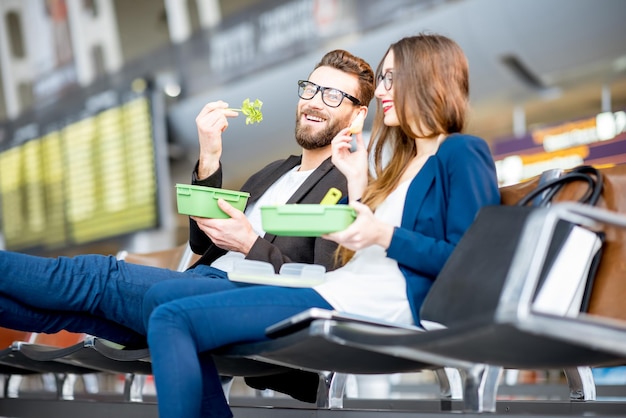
(202, 201)
(306, 220)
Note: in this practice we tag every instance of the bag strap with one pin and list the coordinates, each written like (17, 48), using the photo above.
(599, 182)
(586, 173)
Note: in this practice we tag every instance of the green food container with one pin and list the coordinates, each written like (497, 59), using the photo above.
(202, 201)
(306, 220)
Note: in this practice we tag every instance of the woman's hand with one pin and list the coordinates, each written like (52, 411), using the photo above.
(353, 165)
(366, 230)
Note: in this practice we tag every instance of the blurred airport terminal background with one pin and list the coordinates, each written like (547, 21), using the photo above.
(98, 100)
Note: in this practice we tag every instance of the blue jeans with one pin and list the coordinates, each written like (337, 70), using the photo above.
(16, 316)
(180, 328)
(94, 294)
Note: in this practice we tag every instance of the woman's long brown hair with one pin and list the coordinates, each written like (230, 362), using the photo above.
(431, 93)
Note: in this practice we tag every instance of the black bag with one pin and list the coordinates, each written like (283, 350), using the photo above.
(543, 194)
(576, 258)
(473, 277)
(609, 288)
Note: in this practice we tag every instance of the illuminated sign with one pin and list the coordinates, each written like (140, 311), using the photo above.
(596, 140)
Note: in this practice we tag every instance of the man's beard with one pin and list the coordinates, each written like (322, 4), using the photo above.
(314, 140)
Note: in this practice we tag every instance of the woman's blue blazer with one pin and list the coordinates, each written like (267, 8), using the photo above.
(441, 203)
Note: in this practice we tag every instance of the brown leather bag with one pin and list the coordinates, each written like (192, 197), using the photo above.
(608, 296)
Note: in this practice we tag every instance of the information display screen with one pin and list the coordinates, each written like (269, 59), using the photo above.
(88, 178)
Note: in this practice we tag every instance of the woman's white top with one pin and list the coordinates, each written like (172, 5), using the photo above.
(371, 283)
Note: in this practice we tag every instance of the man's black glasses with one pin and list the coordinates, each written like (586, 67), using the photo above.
(330, 96)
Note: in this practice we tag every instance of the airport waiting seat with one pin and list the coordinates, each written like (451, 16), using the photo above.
(96, 355)
(14, 354)
(501, 328)
(321, 345)
(10, 372)
(15, 361)
(479, 347)
(503, 332)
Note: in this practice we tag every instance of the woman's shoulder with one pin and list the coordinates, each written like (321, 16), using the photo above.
(459, 140)
(463, 143)
(465, 150)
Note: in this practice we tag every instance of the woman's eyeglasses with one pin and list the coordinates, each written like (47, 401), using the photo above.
(330, 96)
(386, 79)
